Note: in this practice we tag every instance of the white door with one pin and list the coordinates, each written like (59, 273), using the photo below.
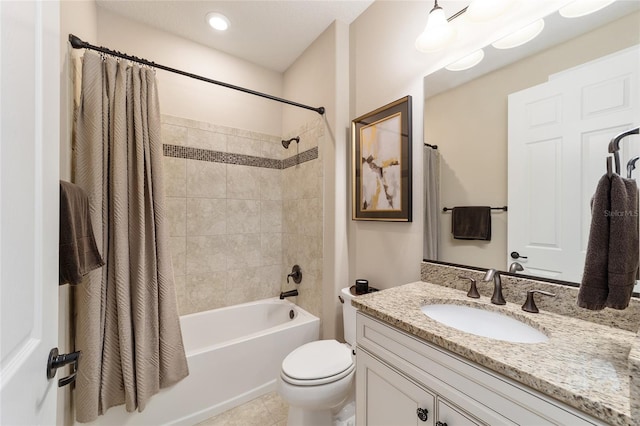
(559, 133)
(29, 194)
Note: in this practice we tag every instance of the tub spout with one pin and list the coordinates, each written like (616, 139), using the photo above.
(289, 293)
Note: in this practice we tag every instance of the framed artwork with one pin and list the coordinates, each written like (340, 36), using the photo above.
(382, 163)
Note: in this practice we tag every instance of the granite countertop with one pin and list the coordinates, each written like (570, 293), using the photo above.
(584, 365)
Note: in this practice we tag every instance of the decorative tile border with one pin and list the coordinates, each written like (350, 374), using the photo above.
(308, 155)
(238, 159)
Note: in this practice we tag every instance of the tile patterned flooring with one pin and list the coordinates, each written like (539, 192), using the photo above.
(267, 410)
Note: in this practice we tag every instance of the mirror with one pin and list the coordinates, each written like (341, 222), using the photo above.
(465, 115)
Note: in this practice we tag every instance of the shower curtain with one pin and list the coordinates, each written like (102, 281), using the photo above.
(126, 319)
(431, 176)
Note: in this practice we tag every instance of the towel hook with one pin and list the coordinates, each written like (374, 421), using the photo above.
(614, 145)
(631, 165)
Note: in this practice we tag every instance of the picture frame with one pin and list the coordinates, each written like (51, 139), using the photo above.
(382, 163)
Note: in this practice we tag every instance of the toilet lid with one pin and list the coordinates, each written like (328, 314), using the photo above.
(317, 360)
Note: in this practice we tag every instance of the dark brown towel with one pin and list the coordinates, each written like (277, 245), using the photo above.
(471, 223)
(594, 287)
(623, 241)
(78, 251)
(611, 264)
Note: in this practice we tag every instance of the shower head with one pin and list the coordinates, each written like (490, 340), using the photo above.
(288, 142)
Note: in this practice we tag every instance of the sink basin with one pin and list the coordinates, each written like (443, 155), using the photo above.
(481, 322)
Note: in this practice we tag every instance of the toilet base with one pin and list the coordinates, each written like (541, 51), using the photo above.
(344, 415)
(300, 416)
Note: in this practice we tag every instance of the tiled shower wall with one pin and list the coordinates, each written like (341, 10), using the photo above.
(226, 192)
(302, 217)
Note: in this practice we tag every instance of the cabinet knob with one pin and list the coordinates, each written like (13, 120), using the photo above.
(423, 414)
(441, 424)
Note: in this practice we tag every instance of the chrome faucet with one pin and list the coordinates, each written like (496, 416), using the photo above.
(515, 267)
(496, 298)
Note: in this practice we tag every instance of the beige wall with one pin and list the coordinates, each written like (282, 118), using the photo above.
(320, 77)
(469, 125)
(188, 98)
(385, 67)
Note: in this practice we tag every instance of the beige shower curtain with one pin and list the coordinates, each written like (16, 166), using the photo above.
(126, 321)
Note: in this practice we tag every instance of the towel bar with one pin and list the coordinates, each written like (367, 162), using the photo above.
(503, 208)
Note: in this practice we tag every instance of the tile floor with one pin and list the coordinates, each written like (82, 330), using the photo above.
(267, 410)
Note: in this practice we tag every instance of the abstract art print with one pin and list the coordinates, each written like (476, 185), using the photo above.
(382, 163)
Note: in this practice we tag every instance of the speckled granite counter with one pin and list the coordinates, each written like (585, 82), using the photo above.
(584, 365)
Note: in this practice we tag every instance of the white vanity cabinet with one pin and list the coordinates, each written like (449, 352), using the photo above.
(393, 399)
(403, 380)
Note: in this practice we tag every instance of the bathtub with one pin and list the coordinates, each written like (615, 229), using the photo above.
(234, 355)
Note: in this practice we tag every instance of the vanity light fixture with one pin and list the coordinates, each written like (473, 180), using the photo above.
(438, 32)
(218, 21)
(520, 37)
(583, 7)
(467, 62)
(484, 10)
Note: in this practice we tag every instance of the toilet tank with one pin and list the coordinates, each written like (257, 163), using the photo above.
(348, 317)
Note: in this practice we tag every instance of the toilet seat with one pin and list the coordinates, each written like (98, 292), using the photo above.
(317, 363)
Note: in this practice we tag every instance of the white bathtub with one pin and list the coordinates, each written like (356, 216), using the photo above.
(234, 355)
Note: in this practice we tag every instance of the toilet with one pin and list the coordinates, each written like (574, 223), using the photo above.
(317, 379)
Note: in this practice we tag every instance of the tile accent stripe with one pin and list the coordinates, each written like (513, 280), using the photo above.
(200, 154)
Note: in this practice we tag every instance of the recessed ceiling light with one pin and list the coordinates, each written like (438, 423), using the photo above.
(583, 7)
(217, 21)
(520, 37)
(467, 62)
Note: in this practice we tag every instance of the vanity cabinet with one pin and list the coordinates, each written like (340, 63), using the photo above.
(403, 380)
(393, 399)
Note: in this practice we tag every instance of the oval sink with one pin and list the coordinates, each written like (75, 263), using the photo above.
(480, 322)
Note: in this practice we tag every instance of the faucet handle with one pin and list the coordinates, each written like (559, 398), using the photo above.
(296, 274)
(473, 290)
(530, 304)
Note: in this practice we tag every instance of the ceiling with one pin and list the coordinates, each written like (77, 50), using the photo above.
(270, 33)
(557, 30)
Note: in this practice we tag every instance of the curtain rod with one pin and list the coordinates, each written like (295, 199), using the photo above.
(77, 43)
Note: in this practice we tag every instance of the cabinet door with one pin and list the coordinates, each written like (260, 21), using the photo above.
(385, 397)
(449, 415)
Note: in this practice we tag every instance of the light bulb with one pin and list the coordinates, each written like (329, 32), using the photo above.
(484, 10)
(520, 37)
(437, 33)
(217, 21)
(583, 7)
(467, 62)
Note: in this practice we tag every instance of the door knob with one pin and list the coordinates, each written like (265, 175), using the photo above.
(56, 361)
(516, 255)
(423, 414)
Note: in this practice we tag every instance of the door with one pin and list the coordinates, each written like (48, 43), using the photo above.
(29, 197)
(384, 397)
(559, 133)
